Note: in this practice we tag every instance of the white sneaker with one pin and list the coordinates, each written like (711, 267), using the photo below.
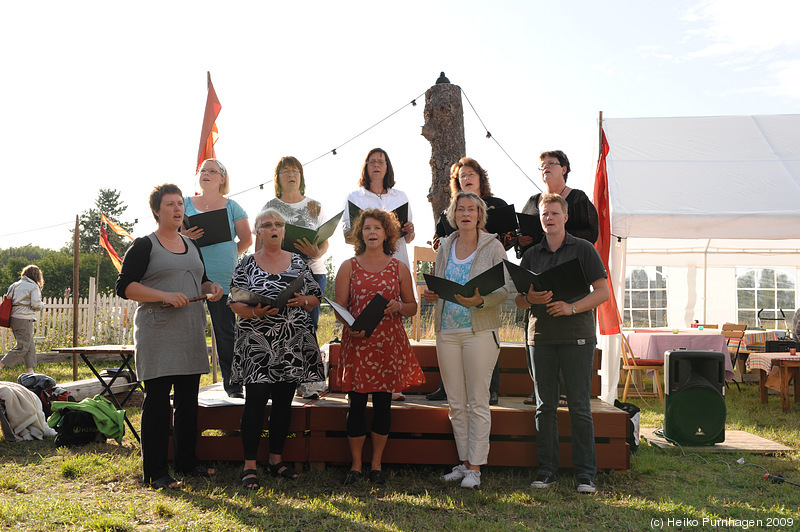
(456, 474)
(586, 486)
(472, 479)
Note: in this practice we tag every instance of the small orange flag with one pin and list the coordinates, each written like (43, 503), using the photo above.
(209, 133)
(111, 253)
(114, 227)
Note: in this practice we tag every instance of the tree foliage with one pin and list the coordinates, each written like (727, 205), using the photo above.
(57, 268)
(108, 203)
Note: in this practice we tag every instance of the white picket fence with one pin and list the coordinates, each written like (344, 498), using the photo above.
(102, 319)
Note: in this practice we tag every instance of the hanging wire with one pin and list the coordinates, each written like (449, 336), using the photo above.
(412, 103)
(38, 229)
(490, 136)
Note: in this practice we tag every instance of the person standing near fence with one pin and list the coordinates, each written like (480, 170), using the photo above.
(26, 295)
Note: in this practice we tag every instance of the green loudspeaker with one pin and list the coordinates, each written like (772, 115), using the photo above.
(694, 406)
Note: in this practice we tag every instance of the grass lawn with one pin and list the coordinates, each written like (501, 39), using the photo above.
(96, 488)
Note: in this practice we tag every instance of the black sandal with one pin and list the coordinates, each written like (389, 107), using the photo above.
(166, 482)
(282, 470)
(250, 479)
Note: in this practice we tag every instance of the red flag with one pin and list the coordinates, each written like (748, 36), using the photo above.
(114, 227)
(111, 253)
(607, 313)
(209, 133)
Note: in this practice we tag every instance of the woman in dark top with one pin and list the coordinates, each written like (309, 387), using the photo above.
(582, 222)
(164, 271)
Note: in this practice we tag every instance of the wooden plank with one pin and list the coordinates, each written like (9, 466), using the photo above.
(515, 379)
(82, 389)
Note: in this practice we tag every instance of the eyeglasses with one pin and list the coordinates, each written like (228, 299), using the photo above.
(209, 171)
(270, 225)
(376, 163)
(289, 172)
(545, 165)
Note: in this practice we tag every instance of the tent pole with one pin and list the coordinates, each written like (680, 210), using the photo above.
(705, 279)
(600, 136)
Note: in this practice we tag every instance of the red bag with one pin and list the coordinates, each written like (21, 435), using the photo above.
(5, 312)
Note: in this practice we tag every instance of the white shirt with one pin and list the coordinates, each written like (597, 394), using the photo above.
(366, 199)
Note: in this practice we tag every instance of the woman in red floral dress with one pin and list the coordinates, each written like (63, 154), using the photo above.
(384, 362)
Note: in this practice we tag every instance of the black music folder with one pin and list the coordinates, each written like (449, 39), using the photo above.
(240, 295)
(501, 220)
(401, 212)
(567, 280)
(369, 317)
(487, 282)
(443, 227)
(322, 233)
(214, 224)
(529, 224)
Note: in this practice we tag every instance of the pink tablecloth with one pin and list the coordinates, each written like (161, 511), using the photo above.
(654, 345)
(763, 361)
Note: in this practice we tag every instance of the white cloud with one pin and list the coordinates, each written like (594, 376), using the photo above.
(748, 37)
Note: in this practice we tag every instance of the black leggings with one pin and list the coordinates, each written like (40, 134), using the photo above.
(381, 413)
(280, 414)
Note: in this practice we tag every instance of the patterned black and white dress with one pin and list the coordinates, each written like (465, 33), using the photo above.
(280, 348)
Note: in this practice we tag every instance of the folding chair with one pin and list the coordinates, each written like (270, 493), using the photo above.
(420, 255)
(631, 364)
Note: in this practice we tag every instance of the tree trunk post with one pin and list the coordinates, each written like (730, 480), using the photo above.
(444, 129)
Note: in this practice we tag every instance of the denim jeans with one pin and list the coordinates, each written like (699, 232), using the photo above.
(224, 322)
(575, 363)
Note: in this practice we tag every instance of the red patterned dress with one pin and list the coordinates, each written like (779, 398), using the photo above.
(384, 362)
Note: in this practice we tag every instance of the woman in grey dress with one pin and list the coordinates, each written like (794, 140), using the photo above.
(164, 272)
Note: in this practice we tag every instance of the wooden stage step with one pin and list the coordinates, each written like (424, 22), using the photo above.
(421, 431)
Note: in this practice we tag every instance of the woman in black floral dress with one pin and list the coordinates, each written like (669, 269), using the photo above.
(275, 348)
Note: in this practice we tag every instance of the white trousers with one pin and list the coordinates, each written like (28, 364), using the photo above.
(466, 361)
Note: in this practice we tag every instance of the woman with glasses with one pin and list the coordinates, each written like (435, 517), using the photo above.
(467, 342)
(276, 349)
(220, 258)
(376, 191)
(582, 222)
(302, 211)
(467, 174)
(581, 213)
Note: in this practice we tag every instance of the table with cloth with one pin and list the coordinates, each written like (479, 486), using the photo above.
(775, 370)
(653, 344)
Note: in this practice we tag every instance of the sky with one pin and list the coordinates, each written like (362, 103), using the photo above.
(111, 95)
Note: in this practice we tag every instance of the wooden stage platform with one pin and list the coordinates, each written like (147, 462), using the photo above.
(421, 432)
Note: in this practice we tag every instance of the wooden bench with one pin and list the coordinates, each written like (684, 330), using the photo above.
(515, 380)
(421, 431)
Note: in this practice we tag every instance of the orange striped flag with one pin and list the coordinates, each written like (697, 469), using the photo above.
(114, 227)
(104, 243)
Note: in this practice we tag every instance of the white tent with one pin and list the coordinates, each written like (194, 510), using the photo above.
(701, 195)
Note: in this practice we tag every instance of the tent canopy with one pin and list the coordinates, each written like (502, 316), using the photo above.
(735, 178)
